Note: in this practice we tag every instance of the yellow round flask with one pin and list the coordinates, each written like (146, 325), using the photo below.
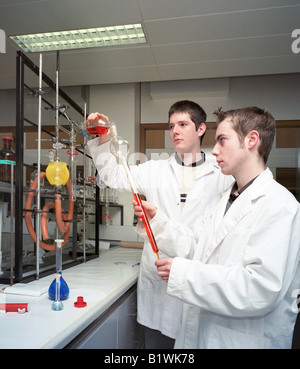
(57, 173)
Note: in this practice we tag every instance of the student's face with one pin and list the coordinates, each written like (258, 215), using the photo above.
(228, 150)
(183, 134)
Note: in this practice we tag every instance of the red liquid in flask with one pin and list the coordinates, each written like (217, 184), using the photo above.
(97, 130)
(147, 225)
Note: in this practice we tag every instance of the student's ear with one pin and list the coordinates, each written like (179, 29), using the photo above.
(201, 129)
(252, 139)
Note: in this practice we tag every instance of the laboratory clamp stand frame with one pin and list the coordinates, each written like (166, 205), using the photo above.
(25, 68)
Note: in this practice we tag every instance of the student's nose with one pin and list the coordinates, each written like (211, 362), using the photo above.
(176, 129)
(215, 150)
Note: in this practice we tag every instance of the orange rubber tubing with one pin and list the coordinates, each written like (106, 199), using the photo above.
(59, 211)
(46, 208)
(44, 229)
(27, 216)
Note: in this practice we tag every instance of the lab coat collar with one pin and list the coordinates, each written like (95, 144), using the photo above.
(239, 209)
(209, 167)
(259, 187)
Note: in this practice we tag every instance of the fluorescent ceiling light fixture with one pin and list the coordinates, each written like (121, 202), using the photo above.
(81, 38)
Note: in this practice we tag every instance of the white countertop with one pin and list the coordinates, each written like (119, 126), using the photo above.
(100, 281)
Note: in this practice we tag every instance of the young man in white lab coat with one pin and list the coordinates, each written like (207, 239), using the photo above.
(182, 187)
(238, 271)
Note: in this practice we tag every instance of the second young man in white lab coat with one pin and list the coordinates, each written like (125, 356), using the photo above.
(238, 273)
(182, 187)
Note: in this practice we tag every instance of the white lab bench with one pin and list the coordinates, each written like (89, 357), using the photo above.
(103, 283)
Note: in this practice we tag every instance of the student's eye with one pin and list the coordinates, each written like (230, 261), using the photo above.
(171, 126)
(222, 140)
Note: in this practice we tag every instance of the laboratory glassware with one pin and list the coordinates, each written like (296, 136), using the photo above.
(57, 304)
(107, 217)
(99, 128)
(3, 215)
(7, 155)
(72, 169)
(119, 147)
(57, 173)
(64, 288)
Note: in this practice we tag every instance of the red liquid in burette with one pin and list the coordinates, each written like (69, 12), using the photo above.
(97, 130)
(147, 225)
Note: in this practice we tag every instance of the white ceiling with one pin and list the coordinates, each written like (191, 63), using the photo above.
(187, 39)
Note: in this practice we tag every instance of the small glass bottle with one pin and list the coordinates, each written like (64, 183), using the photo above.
(7, 155)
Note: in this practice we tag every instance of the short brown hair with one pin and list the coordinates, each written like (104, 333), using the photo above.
(251, 118)
(196, 112)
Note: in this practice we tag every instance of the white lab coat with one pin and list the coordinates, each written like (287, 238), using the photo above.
(157, 181)
(241, 286)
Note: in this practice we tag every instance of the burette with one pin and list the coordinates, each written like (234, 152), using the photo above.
(119, 147)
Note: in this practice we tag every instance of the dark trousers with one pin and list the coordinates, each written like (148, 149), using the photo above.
(156, 340)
